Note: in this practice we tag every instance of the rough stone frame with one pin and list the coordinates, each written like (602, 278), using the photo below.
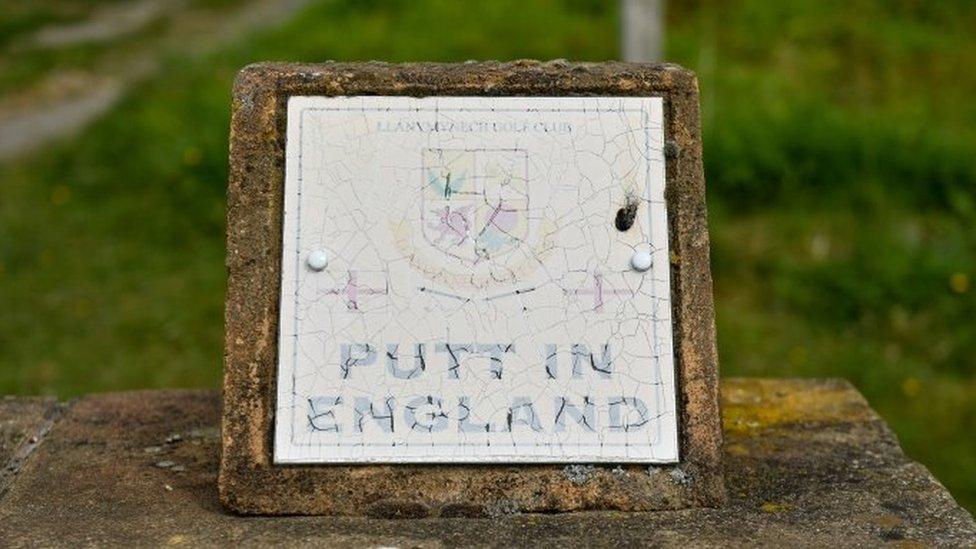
(250, 483)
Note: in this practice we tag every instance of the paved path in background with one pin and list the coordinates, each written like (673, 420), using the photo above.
(64, 102)
(106, 23)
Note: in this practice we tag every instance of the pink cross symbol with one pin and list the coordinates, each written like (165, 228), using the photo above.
(599, 291)
(352, 290)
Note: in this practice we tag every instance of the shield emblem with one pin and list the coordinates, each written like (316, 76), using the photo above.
(476, 202)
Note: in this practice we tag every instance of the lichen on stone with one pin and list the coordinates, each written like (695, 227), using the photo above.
(578, 474)
(680, 477)
(502, 508)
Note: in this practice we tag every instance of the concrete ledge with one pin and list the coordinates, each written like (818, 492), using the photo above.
(807, 463)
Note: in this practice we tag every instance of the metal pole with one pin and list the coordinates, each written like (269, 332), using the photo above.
(642, 30)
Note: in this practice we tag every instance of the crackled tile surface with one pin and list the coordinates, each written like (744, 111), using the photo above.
(462, 281)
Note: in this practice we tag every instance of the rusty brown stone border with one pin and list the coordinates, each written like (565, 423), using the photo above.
(250, 483)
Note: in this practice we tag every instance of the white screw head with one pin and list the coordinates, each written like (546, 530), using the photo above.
(641, 261)
(317, 260)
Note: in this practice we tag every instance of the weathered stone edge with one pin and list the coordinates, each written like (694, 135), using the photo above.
(33, 436)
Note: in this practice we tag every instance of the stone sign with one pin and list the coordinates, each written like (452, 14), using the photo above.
(498, 265)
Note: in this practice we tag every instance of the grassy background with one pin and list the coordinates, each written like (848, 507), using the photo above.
(840, 151)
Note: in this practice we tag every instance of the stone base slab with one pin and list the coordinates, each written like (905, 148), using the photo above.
(807, 463)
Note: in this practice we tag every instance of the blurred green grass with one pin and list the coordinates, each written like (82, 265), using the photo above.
(840, 159)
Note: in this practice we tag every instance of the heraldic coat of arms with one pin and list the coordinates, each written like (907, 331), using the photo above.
(475, 202)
